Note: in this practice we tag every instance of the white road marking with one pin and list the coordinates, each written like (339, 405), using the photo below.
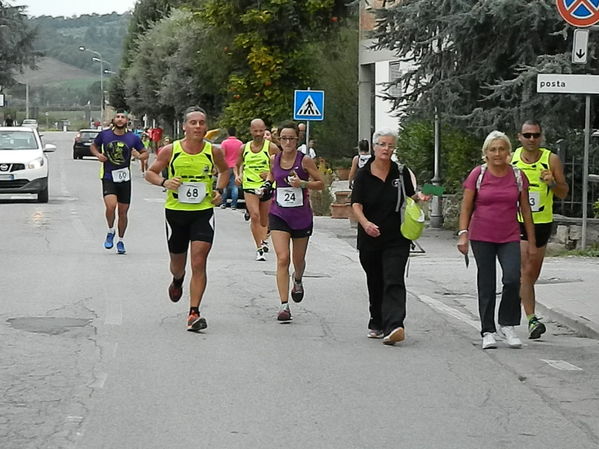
(154, 200)
(562, 365)
(114, 312)
(79, 226)
(447, 310)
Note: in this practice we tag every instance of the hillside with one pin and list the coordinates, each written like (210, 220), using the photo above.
(51, 70)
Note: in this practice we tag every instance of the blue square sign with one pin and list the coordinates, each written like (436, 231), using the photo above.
(308, 105)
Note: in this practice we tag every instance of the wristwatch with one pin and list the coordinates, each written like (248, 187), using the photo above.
(220, 190)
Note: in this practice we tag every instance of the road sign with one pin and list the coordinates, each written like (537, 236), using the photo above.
(580, 46)
(579, 13)
(561, 83)
(308, 105)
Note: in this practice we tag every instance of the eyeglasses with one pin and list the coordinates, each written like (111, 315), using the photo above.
(287, 139)
(385, 145)
(531, 135)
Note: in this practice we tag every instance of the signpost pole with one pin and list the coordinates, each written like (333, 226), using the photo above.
(307, 135)
(585, 170)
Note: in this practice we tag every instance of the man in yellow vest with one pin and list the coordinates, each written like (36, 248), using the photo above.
(251, 172)
(189, 206)
(545, 174)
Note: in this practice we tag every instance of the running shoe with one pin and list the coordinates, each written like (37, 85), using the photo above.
(509, 334)
(223, 206)
(395, 336)
(375, 333)
(264, 246)
(109, 242)
(297, 291)
(120, 248)
(535, 328)
(195, 322)
(246, 216)
(260, 257)
(489, 341)
(284, 313)
(175, 290)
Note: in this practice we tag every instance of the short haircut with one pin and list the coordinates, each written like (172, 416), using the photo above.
(191, 109)
(384, 132)
(231, 131)
(364, 146)
(532, 122)
(289, 125)
(495, 135)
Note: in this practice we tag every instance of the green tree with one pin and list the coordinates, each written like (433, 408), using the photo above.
(16, 42)
(477, 61)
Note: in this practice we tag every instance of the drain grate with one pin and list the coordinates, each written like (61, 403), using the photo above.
(48, 325)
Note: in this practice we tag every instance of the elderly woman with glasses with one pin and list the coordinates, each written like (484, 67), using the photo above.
(384, 251)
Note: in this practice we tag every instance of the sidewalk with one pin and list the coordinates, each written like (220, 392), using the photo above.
(567, 290)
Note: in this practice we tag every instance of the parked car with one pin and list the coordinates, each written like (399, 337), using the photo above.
(83, 142)
(23, 163)
(29, 123)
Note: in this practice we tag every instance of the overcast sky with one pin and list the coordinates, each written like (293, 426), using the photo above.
(73, 7)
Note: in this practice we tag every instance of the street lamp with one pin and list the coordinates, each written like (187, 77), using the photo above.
(100, 59)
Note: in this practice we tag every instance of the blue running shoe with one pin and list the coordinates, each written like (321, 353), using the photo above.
(108, 243)
(120, 248)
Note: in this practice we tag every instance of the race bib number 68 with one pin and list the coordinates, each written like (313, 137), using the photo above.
(192, 192)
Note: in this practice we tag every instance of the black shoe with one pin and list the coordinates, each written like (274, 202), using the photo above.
(175, 290)
(535, 328)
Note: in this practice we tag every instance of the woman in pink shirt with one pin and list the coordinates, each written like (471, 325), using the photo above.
(494, 193)
(231, 147)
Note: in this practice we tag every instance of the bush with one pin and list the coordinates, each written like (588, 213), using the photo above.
(460, 153)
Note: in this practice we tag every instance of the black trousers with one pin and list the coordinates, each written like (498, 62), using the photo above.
(385, 279)
(508, 255)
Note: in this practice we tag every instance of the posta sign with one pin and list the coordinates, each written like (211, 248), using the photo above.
(579, 13)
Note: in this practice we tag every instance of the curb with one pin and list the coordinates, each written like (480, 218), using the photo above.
(582, 326)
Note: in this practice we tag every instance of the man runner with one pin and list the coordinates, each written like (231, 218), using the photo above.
(190, 206)
(546, 179)
(253, 167)
(114, 148)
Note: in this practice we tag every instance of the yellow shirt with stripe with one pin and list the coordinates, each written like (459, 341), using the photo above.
(254, 164)
(196, 168)
(537, 189)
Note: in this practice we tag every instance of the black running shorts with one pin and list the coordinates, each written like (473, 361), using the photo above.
(184, 226)
(276, 223)
(542, 233)
(122, 190)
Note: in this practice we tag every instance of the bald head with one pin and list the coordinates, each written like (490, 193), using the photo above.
(257, 128)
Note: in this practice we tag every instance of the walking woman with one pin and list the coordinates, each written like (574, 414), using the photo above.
(493, 194)
(383, 249)
(290, 217)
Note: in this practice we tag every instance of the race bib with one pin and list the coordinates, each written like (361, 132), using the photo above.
(121, 175)
(192, 192)
(290, 196)
(534, 199)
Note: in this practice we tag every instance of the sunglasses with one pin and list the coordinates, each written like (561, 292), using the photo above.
(531, 135)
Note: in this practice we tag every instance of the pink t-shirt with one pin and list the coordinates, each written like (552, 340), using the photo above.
(494, 218)
(231, 148)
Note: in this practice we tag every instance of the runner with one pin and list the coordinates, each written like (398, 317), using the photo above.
(252, 170)
(190, 206)
(114, 148)
(290, 217)
(546, 179)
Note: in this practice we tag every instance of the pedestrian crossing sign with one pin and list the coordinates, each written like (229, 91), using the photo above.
(308, 105)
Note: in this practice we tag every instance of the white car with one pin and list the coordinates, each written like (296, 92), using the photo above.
(23, 164)
(29, 123)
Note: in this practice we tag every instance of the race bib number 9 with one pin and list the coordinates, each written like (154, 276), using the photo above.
(121, 175)
(192, 192)
(534, 199)
(290, 196)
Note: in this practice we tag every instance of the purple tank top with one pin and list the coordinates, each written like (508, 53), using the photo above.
(298, 217)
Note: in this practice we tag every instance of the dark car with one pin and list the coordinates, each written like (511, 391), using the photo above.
(83, 142)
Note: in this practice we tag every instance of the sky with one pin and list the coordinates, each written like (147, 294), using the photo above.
(73, 7)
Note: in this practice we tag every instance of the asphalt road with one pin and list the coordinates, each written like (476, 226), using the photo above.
(93, 354)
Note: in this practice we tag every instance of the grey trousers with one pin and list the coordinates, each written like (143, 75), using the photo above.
(508, 255)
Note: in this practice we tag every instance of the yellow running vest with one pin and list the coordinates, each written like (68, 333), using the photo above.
(254, 164)
(195, 172)
(539, 194)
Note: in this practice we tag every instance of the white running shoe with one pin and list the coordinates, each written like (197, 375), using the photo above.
(510, 336)
(260, 257)
(489, 341)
